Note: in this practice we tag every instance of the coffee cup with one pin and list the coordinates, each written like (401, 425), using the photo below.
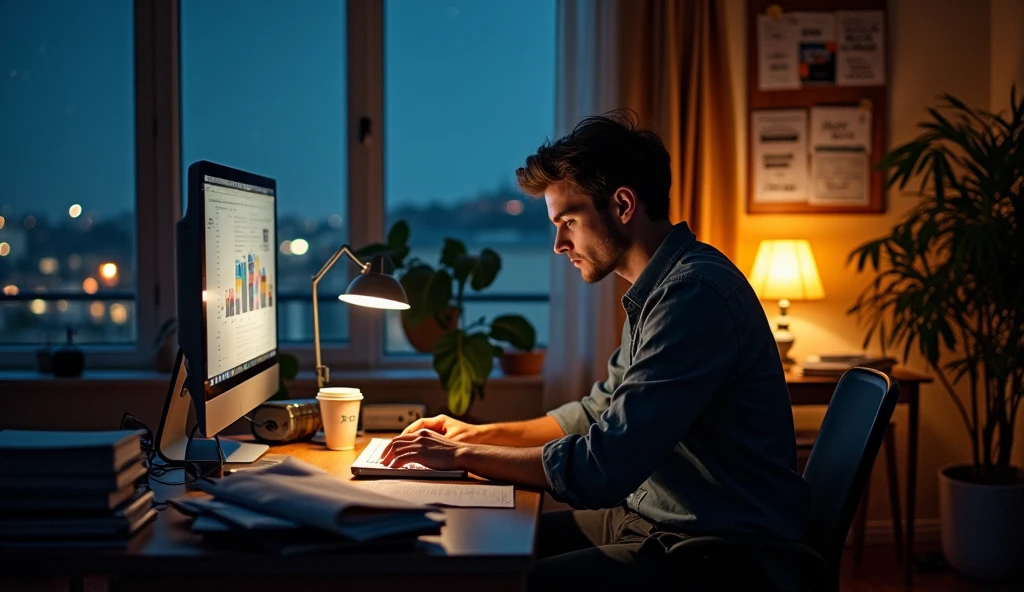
(339, 410)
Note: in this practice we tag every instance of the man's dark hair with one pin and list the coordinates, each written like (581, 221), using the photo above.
(601, 154)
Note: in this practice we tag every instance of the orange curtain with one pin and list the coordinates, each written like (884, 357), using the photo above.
(674, 73)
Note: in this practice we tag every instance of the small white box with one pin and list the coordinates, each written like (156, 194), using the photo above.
(391, 417)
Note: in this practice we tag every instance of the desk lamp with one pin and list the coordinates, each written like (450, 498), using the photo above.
(372, 288)
(784, 270)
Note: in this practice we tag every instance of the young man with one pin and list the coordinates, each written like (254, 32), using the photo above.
(692, 431)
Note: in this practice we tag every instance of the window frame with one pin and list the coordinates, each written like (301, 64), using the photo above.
(159, 194)
(157, 189)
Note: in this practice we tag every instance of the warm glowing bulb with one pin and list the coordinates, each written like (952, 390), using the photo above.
(75, 211)
(38, 306)
(108, 270)
(299, 246)
(90, 285)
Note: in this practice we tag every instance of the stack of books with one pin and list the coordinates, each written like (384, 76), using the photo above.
(65, 488)
(837, 364)
(294, 508)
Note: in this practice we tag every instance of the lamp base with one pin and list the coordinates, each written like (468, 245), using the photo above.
(784, 341)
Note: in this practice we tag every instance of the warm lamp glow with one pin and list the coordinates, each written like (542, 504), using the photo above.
(785, 269)
(108, 270)
(372, 302)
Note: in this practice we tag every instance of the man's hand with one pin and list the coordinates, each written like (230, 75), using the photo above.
(449, 427)
(425, 447)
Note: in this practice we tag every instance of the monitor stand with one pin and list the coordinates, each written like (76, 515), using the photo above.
(172, 434)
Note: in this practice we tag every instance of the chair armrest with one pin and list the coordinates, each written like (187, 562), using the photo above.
(824, 575)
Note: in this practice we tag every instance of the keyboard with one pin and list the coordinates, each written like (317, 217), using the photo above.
(368, 464)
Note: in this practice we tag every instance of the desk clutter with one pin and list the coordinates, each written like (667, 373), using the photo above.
(71, 489)
(837, 364)
(294, 507)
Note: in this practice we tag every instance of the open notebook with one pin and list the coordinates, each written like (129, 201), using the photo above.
(368, 465)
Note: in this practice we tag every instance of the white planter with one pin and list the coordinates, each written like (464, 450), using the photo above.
(982, 526)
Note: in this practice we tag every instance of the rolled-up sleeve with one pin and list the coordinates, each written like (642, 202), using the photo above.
(576, 417)
(687, 350)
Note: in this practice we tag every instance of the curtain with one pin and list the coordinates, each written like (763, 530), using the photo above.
(584, 325)
(666, 60)
(675, 74)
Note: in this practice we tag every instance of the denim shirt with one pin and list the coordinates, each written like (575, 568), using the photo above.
(693, 427)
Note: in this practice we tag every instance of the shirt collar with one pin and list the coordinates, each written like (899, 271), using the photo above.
(678, 240)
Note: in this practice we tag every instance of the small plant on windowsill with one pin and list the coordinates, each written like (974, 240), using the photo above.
(464, 357)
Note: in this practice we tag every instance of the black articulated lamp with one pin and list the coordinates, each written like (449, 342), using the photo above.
(372, 288)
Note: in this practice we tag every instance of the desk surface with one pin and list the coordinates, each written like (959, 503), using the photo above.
(472, 540)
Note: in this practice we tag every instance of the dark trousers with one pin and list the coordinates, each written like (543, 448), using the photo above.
(604, 549)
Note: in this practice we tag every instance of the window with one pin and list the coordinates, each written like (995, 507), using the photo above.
(263, 89)
(103, 106)
(468, 94)
(67, 176)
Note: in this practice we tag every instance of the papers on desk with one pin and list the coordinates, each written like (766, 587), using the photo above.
(294, 506)
(463, 495)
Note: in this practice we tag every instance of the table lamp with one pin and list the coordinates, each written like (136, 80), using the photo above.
(784, 270)
(372, 288)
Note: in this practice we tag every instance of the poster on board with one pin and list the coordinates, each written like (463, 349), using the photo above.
(840, 148)
(860, 53)
(779, 155)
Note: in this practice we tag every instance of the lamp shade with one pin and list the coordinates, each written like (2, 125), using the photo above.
(785, 269)
(376, 290)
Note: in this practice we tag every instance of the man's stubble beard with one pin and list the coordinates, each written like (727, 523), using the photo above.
(609, 248)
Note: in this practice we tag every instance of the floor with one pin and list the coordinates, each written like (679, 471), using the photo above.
(878, 572)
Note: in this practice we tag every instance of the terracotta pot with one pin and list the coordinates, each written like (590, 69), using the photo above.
(518, 363)
(422, 337)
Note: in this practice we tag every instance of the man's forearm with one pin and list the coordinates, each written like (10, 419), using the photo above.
(528, 433)
(521, 466)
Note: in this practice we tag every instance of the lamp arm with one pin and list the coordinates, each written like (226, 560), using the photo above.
(323, 373)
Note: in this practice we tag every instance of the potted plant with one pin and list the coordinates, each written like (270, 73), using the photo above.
(950, 278)
(435, 292)
(464, 357)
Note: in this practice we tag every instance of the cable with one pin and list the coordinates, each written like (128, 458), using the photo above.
(156, 470)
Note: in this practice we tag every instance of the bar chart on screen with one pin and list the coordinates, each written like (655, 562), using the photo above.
(240, 276)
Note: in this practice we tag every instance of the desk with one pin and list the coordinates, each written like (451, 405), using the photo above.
(817, 390)
(478, 549)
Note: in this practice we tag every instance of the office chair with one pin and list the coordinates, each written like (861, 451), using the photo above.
(805, 442)
(837, 472)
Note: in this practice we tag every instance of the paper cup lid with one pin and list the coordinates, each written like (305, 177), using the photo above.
(339, 393)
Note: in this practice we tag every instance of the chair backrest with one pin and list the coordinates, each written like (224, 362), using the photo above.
(844, 451)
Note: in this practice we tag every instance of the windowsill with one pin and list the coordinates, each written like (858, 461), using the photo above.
(410, 376)
(97, 399)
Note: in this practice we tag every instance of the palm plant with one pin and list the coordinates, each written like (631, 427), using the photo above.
(949, 276)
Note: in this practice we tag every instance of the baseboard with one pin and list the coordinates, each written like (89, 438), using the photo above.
(879, 532)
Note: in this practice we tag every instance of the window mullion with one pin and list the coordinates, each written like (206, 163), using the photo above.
(366, 176)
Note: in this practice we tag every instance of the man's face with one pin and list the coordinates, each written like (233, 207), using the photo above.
(590, 238)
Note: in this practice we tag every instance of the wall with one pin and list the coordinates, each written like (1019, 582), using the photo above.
(971, 50)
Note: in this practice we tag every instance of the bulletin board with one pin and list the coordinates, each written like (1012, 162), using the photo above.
(817, 110)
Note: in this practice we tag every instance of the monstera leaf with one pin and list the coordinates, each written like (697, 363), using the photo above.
(396, 249)
(429, 290)
(515, 330)
(463, 362)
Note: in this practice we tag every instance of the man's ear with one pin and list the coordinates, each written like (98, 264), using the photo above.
(624, 204)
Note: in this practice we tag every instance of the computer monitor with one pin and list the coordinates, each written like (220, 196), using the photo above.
(227, 312)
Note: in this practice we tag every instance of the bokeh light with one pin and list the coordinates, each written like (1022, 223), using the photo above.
(90, 285)
(62, 305)
(96, 311)
(108, 270)
(38, 306)
(5, 249)
(10, 290)
(75, 211)
(286, 247)
(48, 265)
(299, 246)
(118, 313)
